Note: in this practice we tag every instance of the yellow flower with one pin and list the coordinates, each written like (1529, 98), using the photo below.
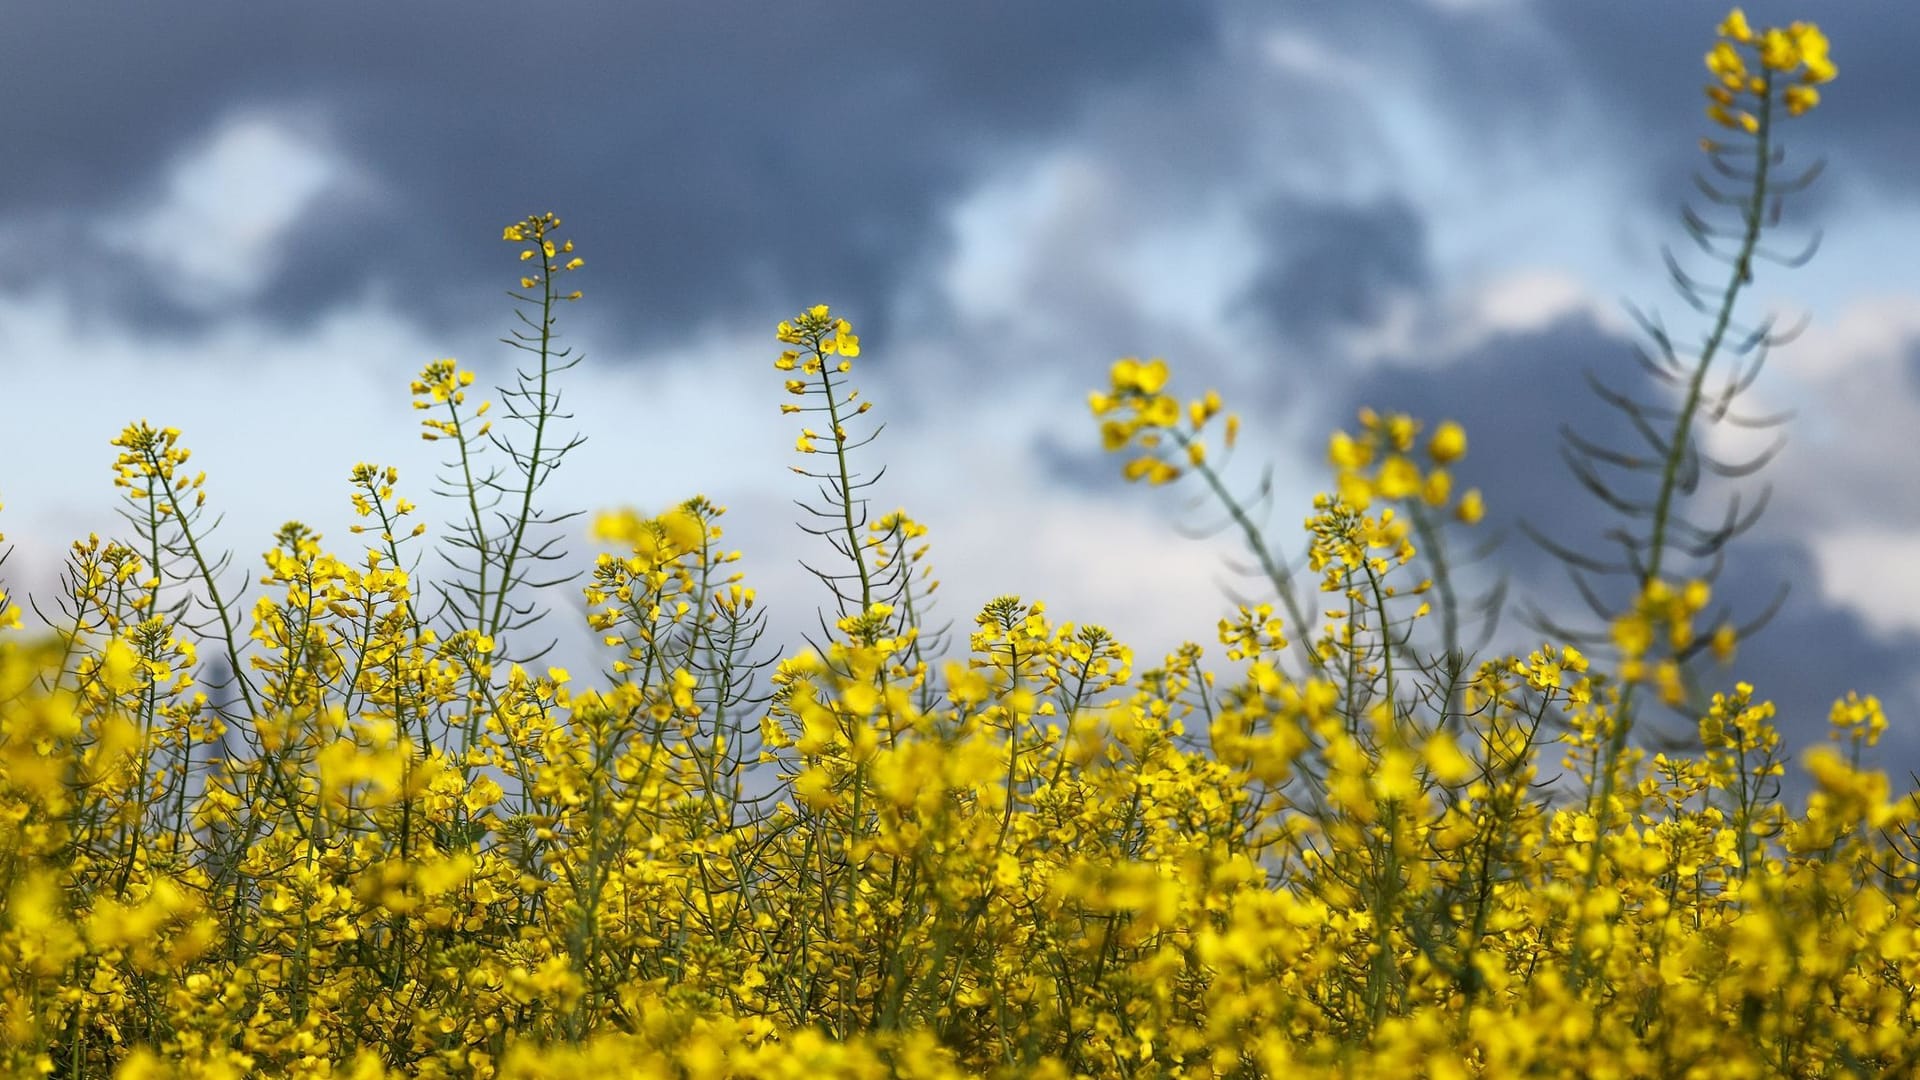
(684, 530)
(1444, 759)
(1153, 376)
(1394, 777)
(1398, 478)
(1344, 452)
(1813, 46)
(1471, 507)
(1667, 680)
(814, 788)
(1632, 635)
(1449, 443)
(1356, 490)
(1725, 641)
(1724, 60)
(1779, 50)
(1735, 26)
(1859, 719)
(1131, 375)
(1695, 595)
(1400, 431)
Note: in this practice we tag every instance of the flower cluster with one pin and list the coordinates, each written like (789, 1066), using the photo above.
(369, 838)
(1380, 463)
(1136, 413)
(1749, 66)
(818, 335)
(537, 231)
(1657, 631)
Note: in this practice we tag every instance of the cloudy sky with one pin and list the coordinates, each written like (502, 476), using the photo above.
(257, 224)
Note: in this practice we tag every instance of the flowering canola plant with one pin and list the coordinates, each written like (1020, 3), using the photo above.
(373, 836)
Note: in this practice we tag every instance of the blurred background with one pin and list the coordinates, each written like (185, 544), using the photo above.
(257, 224)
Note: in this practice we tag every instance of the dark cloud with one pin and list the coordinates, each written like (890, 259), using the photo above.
(1644, 60)
(724, 164)
(1330, 266)
(1910, 362)
(1513, 393)
(1077, 465)
(711, 159)
(1512, 76)
(1815, 652)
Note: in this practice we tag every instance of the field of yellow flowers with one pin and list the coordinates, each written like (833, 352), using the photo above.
(360, 828)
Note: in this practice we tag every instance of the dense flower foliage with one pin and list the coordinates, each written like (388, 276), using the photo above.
(372, 835)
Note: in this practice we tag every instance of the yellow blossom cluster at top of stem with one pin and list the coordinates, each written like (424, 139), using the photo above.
(1742, 91)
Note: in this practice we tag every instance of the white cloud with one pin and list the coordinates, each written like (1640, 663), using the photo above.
(1868, 331)
(1460, 317)
(1872, 572)
(1851, 379)
(1843, 486)
(1477, 6)
(1307, 57)
(997, 232)
(1529, 301)
(211, 229)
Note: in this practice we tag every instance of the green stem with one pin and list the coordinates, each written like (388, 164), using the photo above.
(846, 480)
(540, 416)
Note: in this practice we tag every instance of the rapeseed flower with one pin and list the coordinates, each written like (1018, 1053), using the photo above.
(385, 841)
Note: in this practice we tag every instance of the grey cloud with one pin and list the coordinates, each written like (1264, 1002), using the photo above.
(711, 159)
(1816, 651)
(1331, 266)
(1512, 393)
(1077, 465)
(1512, 75)
(1644, 60)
